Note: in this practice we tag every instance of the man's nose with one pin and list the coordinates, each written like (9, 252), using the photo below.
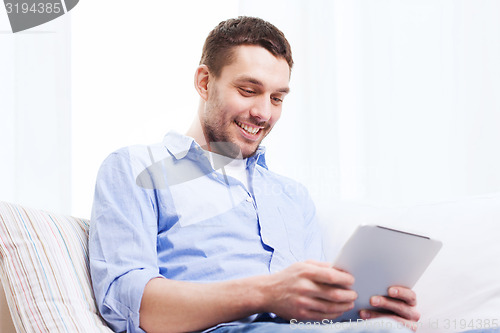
(262, 109)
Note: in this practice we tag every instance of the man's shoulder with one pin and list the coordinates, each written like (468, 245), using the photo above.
(138, 155)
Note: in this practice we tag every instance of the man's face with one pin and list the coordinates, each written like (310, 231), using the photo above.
(245, 101)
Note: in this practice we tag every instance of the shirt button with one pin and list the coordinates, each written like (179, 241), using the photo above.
(249, 199)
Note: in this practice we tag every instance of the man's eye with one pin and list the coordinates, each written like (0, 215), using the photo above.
(277, 100)
(247, 91)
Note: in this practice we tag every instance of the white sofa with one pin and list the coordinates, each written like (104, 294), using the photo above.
(44, 269)
(461, 288)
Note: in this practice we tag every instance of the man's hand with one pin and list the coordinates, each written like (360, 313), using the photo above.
(400, 304)
(310, 290)
(307, 290)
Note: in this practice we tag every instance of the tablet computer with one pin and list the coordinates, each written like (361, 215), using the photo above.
(379, 257)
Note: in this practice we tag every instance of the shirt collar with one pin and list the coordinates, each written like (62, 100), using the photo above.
(180, 145)
(258, 158)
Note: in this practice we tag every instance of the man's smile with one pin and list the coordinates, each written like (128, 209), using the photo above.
(248, 129)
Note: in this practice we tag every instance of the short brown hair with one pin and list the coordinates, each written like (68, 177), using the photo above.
(244, 30)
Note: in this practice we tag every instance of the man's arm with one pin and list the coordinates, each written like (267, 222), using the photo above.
(308, 290)
(122, 240)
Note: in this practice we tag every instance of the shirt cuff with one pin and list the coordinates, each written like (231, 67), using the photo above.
(123, 301)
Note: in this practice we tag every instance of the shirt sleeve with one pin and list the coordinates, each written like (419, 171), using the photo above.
(122, 242)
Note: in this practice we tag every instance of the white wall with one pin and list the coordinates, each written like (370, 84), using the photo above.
(35, 115)
(403, 96)
(393, 102)
(428, 97)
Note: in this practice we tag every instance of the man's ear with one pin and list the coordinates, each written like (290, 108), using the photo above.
(201, 78)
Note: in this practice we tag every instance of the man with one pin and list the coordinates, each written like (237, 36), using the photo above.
(196, 231)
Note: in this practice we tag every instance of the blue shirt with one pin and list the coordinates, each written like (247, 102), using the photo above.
(163, 211)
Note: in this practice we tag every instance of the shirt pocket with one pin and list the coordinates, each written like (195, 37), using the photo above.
(293, 223)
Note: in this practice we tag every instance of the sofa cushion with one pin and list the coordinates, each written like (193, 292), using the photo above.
(44, 270)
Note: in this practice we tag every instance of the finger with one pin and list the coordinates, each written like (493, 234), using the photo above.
(333, 276)
(334, 294)
(325, 273)
(369, 314)
(318, 263)
(398, 307)
(402, 293)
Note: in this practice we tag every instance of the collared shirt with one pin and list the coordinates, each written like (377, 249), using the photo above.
(163, 211)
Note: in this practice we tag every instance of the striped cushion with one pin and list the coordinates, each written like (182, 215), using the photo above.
(44, 270)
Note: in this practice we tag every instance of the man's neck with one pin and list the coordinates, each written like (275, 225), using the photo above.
(196, 131)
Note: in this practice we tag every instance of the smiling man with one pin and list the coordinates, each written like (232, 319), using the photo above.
(196, 233)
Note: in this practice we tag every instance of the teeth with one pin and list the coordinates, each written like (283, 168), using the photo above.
(251, 130)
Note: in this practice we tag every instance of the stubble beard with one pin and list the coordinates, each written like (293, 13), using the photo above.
(217, 131)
